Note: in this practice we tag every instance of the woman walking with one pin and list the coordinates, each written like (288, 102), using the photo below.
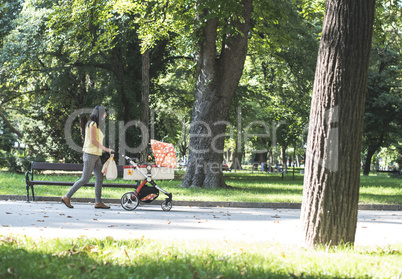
(92, 151)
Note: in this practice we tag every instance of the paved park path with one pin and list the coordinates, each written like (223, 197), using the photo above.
(54, 220)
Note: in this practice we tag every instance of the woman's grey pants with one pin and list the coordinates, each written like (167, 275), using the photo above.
(91, 163)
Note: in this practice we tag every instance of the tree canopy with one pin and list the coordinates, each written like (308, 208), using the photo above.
(62, 57)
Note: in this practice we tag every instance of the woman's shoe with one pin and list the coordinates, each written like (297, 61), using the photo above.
(66, 201)
(101, 205)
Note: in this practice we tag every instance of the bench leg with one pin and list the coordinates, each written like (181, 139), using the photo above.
(27, 192)
(33, 194)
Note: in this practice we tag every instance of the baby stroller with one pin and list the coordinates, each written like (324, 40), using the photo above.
(165, 159)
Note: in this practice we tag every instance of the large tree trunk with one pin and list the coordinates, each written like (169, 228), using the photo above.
(217, 81)
(332, 179)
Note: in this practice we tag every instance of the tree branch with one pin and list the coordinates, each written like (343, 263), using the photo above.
(14, 130)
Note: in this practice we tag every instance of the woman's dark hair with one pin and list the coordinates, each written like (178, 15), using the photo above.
(96, 115)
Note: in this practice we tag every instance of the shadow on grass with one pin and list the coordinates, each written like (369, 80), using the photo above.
(88, 263)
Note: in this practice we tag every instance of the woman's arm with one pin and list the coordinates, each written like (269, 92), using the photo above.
(95, 142)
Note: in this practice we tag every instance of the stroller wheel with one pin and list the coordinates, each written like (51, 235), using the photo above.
(166, 205)
(129, 201)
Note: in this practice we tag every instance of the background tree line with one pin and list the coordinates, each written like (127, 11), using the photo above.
(60, 56)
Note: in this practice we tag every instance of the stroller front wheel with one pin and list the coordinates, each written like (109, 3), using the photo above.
(166, 205)
(129, 201)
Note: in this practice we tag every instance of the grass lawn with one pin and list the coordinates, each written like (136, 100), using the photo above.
(247, 187)
(25, 257)
(144, 258)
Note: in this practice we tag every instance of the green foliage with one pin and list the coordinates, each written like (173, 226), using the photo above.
(60, 56)
(7, 138)
(172, 101)
(71, 57)
(87, 27)
(8, 11)
(384, 98)
(382, 118)
(20, 162)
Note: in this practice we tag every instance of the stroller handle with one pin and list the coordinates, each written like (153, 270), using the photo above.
(122, 155)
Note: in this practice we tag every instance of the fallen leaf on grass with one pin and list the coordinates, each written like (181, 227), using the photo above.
(125, 251)
(90, 248)
(8, 239)
(68, 253)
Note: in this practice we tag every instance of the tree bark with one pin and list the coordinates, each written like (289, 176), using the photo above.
(217, 81)
(145, 102)
(332, 179)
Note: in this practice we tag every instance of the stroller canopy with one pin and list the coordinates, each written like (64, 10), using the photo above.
(164, 154)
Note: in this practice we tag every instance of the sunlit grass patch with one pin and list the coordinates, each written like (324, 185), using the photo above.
(244, 187)
(147, 258)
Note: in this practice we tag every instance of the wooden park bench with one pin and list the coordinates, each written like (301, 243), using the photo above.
(66, 167)
(389, 171)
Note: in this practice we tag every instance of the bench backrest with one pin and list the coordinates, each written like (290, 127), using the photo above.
(61, 166)
(56, 166)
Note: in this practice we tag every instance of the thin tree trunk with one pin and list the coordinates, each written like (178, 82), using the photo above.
(367, 163)
(145, 103)
(332, 179)
(370, 152)
(237, 156)
(284, 159)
